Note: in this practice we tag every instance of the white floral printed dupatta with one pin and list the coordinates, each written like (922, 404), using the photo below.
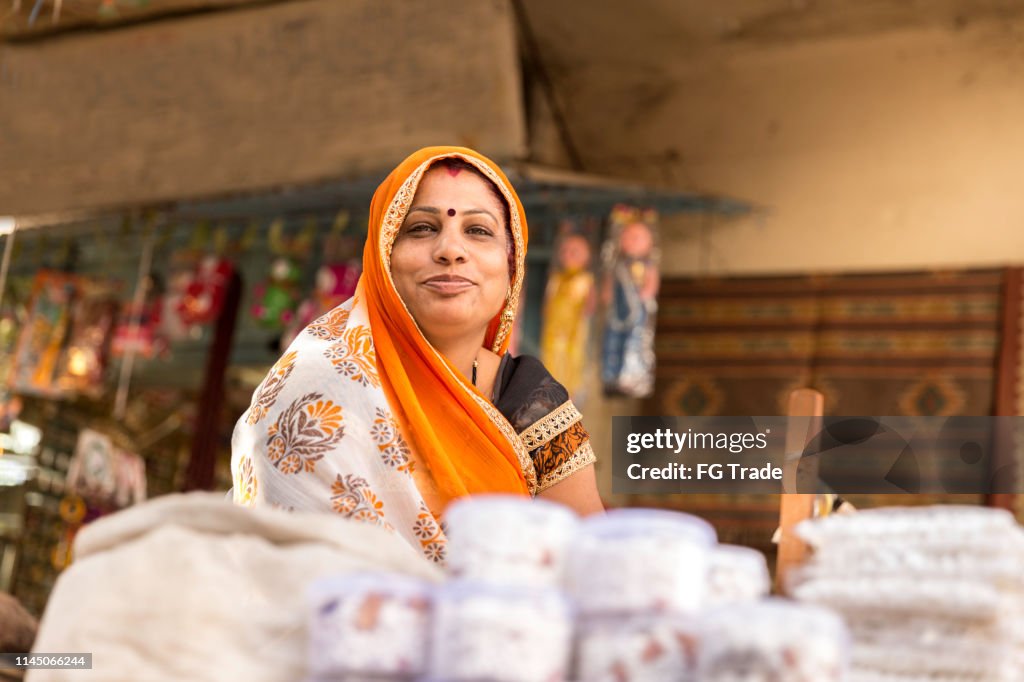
(302, 444)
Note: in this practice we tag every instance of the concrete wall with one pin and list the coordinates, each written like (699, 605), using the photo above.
(250, 99)
(890, 151)
(895, 150)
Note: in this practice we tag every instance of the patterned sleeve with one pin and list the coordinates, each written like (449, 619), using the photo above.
(549, 425)
(559, 445)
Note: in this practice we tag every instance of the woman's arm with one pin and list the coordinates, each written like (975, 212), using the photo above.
(578, 491)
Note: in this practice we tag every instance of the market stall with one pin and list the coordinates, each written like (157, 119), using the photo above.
(134, 340)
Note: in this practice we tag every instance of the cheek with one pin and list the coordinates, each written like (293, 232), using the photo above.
(403, 267)
(501, 282)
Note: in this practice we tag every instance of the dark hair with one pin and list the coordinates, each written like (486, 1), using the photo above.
(462, 164)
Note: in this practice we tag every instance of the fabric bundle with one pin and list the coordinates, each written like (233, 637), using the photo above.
(192, 587)
(928, 593)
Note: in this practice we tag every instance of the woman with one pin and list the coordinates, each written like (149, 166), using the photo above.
(403, 398)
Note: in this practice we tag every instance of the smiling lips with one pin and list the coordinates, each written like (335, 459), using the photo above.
(448, 284)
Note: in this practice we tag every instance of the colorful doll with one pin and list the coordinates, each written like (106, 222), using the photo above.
(13, 317)
(205, 291)
(568, 306)
(178, 277)
(335, 284)
(83, 362)
(278, 297)
(41, 339)
(101, 479)
(142, 335)
(629, 294)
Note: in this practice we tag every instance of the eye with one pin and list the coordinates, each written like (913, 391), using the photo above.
(420, 228)
(479, 230)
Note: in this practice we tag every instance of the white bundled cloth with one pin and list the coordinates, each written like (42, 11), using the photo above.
(929, 593)
(192, 587)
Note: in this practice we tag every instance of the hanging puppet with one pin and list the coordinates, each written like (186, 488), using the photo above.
(41, 338)
(629, 294)
(336, 278)
(277, 297)
(206, 290)
(102, 478)
(13, 317)
(179, 274)
(139, 328)
(83, 361)
(198, 292)
(568, 308)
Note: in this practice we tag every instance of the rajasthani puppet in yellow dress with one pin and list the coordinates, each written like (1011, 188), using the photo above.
(568, 306)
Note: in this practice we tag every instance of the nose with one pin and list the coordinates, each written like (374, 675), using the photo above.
(449, 246)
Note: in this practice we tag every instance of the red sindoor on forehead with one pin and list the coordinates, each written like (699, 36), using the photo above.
(452, 171)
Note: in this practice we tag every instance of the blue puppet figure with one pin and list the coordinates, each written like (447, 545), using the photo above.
(629, 294)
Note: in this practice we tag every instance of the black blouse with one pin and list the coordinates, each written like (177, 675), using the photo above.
(539, 409)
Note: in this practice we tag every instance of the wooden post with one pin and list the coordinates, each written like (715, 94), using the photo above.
(202, 463)
(1008, 398)
(805, 409)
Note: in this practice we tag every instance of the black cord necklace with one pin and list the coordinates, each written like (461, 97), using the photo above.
(474, 372)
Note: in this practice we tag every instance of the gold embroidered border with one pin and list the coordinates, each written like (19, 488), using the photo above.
(544, 430)
(396, 213)
(522, 454)
(583, 457)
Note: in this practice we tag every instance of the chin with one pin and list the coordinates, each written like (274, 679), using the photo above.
(452, 327)
(445, 327)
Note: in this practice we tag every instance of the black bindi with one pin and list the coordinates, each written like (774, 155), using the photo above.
(451, 211)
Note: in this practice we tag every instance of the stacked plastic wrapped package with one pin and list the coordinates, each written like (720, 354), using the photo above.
(638, 578)
(369, 626)
(929, 593)
(534, 594)
(737, 574)
(772, 641)
(502, 616)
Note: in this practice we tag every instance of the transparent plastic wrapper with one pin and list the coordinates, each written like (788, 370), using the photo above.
(506, 540)
(737, 574)
(939, 597)
(892, 560)
(931, 593)
(648, 648)
(862, 675)
(772, 641)
(920, 630)
(946, 659)
(631, 561)
(368, 626)
(486, 633)
(938, 527)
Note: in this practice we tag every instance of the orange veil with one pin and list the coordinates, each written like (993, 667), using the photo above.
(466, 445)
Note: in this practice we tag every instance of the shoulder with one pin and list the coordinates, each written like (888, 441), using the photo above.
(549, 425)
(528, 392)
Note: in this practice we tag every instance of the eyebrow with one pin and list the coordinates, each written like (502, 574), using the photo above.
(436, 211)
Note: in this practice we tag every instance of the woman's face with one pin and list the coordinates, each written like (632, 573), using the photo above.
(449, 261)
